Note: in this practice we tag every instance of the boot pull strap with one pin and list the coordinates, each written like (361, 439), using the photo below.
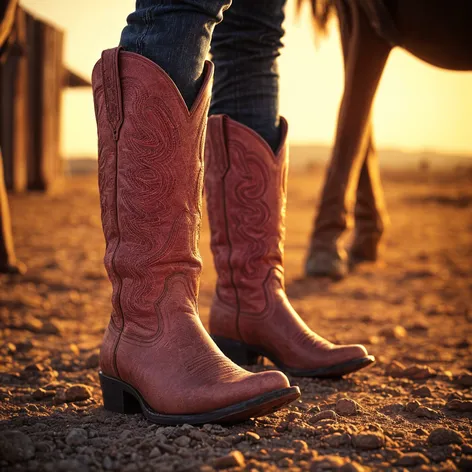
(112, 88)
(219, 143)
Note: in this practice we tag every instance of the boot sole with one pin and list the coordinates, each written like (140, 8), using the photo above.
(245, 354)
(120, 397)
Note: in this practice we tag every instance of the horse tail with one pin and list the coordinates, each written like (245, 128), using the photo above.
(321, 11)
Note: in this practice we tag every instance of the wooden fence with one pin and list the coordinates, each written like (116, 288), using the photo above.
(31, 83)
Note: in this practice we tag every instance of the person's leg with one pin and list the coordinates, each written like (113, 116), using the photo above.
(245, 48)
(176, 35)
(156, 351)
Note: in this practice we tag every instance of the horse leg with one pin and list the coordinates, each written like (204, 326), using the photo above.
(370, 213)
(8, 262)
(366, 56)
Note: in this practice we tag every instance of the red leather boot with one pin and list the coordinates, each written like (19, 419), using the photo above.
(251, 316)
(156, 356)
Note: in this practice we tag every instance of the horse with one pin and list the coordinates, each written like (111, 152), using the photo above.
(434, 31)
(9, 264)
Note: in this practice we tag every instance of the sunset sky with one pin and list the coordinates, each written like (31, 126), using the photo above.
(418, 107)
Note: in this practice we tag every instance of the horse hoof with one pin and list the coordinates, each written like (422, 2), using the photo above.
(326, 264)
(364, 249)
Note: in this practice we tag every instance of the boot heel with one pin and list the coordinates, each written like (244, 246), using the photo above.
(116, 398)
(238, 352)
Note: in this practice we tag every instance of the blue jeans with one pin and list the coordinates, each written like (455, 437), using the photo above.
(245, 39)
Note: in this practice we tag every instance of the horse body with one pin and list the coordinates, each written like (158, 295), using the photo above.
(437, 32)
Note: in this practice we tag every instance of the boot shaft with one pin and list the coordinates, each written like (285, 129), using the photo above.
(150, 181)
(245, 184)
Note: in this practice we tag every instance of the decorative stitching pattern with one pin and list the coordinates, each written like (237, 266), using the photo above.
(156, 189)
(254, 189)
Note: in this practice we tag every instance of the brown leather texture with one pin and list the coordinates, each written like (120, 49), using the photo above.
(246, 188)
(151, 182)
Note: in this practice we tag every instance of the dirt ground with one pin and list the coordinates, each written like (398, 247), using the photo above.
(411, 411)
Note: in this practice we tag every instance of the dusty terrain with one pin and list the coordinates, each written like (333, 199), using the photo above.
(412, 410)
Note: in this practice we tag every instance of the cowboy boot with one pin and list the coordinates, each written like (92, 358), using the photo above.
(156, 356)
(251, 316)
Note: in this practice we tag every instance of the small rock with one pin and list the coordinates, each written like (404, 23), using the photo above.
(34, 368)
(11, 348)
(418, 372)
(33, 324)
(285, 463)
(24, 346)
(392, 409)
(71, 465)
(323, 415)
(425, 412)
(92, 361)
(419, 325)
(373, 340)
(421, 432)
(464, 379)
(395, 369)
(299, 445)
(233, 459)
(252, 437)
(394, 332)
(368, 441)
(50, 327)
(44, 446)
(125, 434)
(41, 393)
(281, 452)
(293, 416)
(76, 437)
(412, 406)
(77, 393)
(412, 459)
(16, 446)
(155, 452)
(352, 467)
(327, 463)
(198, 435)
(182, 441)
(74, 349)
(337, 439)
(347, 407)
(443, 436)
(442, 453)
(314, 410)
(422, 392)
(60, 397)
(107, 463)
(460, 405)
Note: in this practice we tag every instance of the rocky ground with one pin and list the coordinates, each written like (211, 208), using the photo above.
(411, 411)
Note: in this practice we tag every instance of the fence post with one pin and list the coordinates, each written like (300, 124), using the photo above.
(14, 111)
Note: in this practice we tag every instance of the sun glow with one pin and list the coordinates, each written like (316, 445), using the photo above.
(417, 107)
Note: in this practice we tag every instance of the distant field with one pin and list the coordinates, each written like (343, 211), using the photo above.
(306, 156)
